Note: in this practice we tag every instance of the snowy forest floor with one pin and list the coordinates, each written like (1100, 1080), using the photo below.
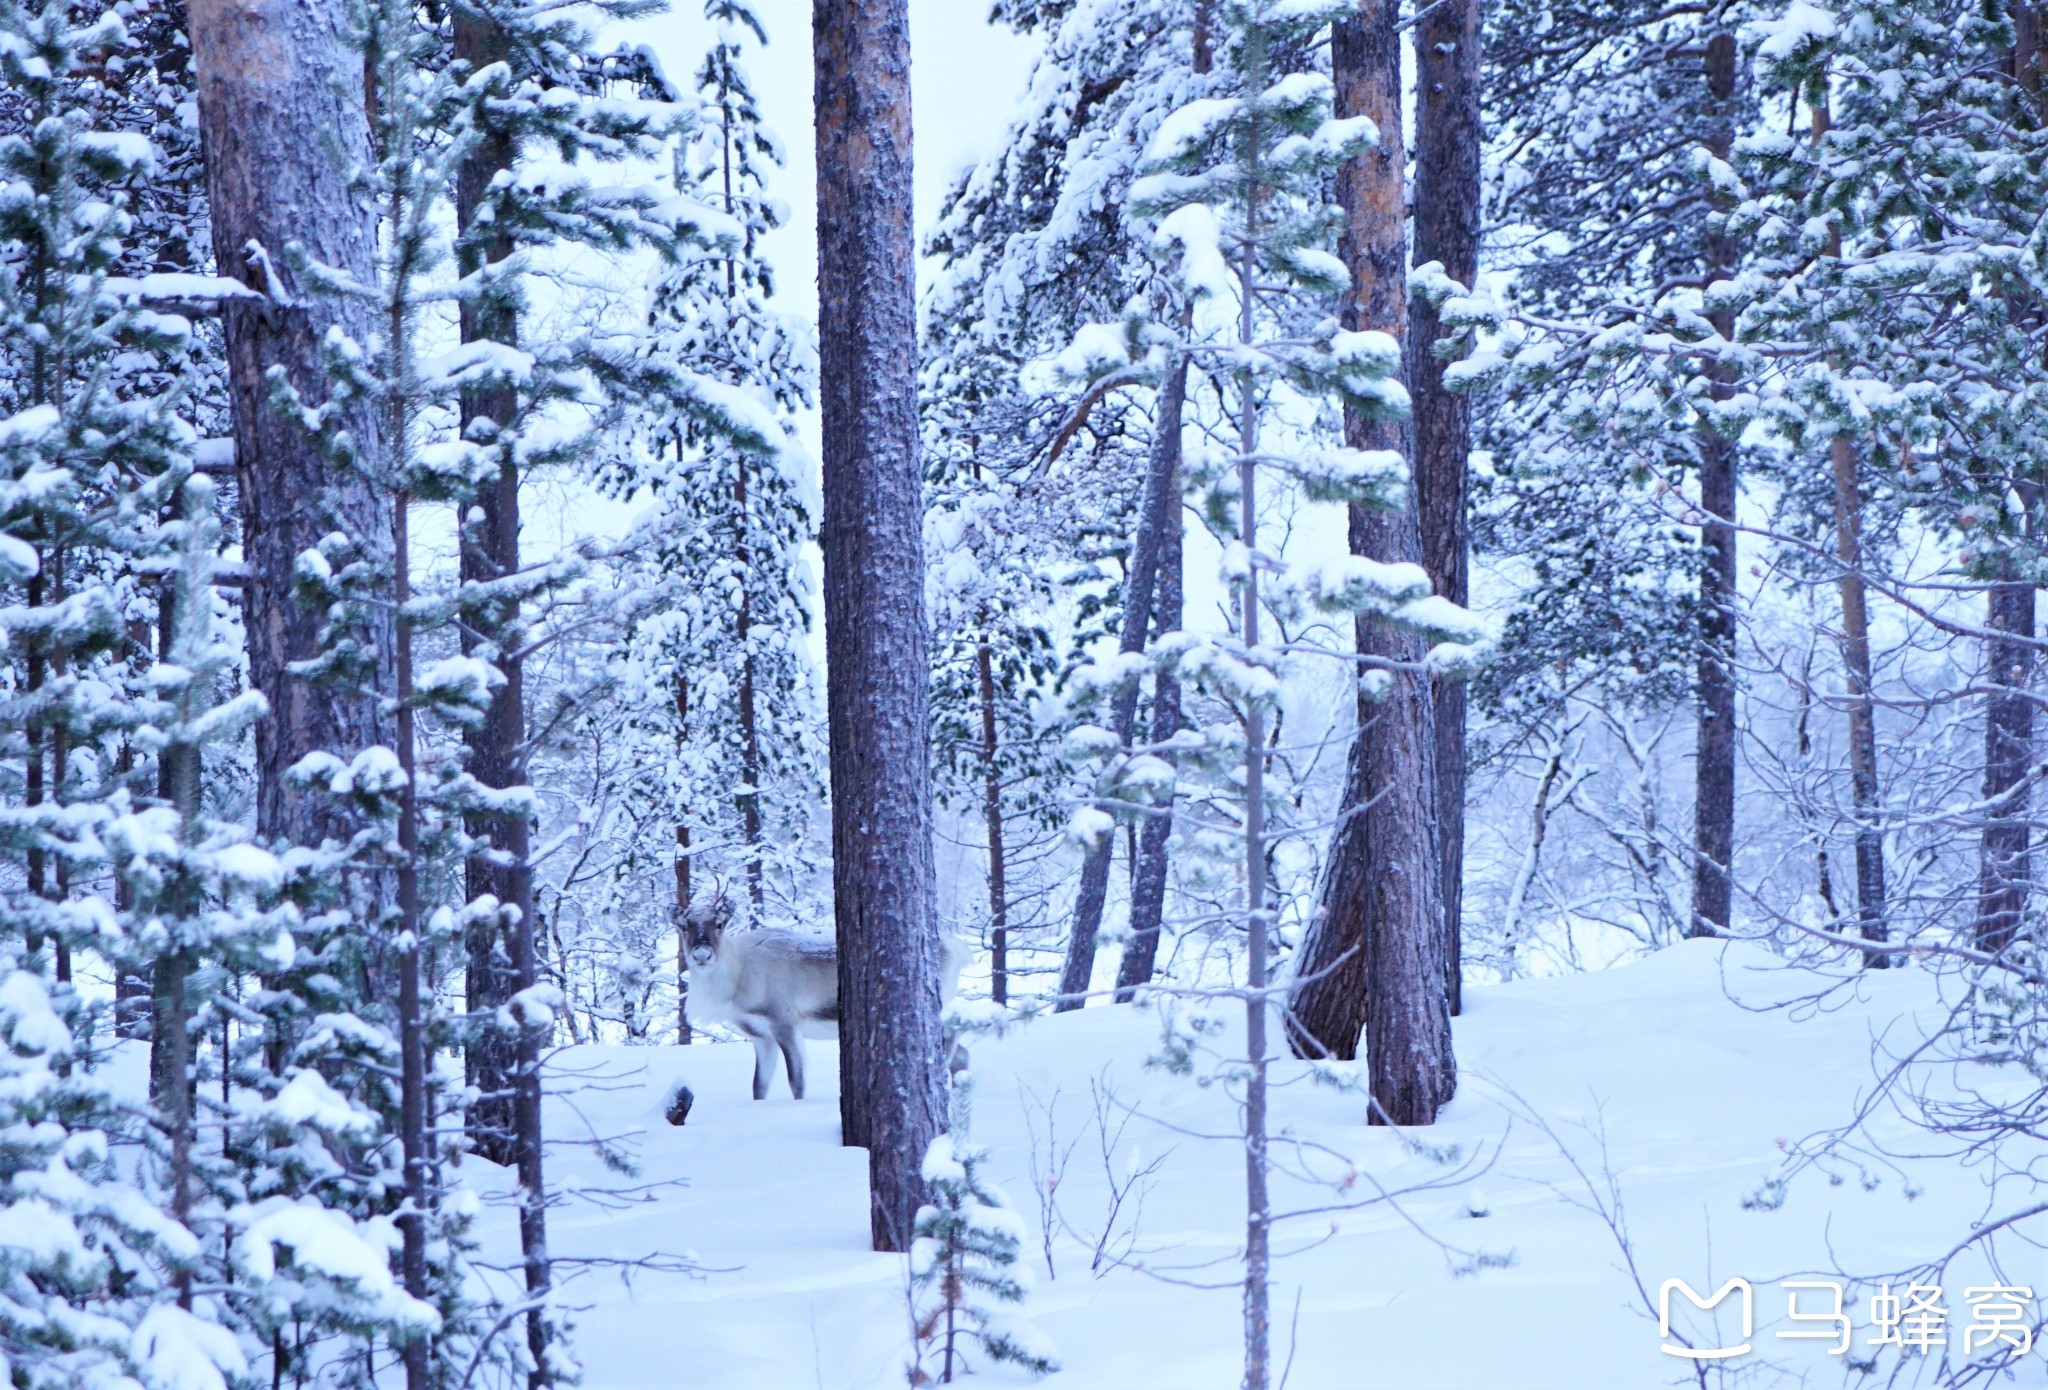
(1676, 1067)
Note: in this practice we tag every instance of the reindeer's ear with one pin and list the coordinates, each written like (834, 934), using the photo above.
(723, 908)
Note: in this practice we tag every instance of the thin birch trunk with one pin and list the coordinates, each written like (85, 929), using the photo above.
(1258, 1206)
(2005, 858)
(1532, 856)
(1863, 783)
(992, 816)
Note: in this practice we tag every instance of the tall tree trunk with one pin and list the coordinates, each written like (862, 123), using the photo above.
(1374, 957)
(32, 792)
(171, 1081)
(682, 877)
(749, 798)
(1258, 1208)
(2030, 50)
(1148, 889)
(892, 1092)
(2006, 870)
(413, 1127)
(1159, 501)
(497, 746)
(1714, 766)
(60, 754)
(992, 816)
(1870, 889)
(280, 134)
(1447, 229)
(490, 552)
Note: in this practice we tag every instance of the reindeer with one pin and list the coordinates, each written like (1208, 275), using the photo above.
(775, 986)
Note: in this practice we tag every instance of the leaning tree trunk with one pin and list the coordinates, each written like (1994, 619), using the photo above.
(1148, 885)
(2005, 867)
(892, 1092)
(1447, 228)
(1159, 501)
(281, 133)
(1374, 957)
(490, 552)
(1148, 877)
(1714, 765)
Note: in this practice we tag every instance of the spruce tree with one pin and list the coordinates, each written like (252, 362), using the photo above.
(1603, 116)
(718, 604)
(967, 1272)
(1236, 203)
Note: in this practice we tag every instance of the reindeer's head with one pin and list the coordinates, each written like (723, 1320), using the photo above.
(703, 927)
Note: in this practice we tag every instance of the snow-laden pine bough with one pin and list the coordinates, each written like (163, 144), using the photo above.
(775, 986)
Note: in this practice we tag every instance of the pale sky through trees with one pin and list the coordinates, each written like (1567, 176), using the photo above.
(965, 77)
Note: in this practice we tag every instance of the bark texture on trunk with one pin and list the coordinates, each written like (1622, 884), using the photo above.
(1863, 783)
(414, 1125)
(892, 1092)
(1447, 230)
(1155, 511)
(1713, 889)
(992, 819)
(1148, 888)
(682, 878)
(490, 551)
(504, 950)
(2005, 863)
(275, 78)
(748, 800)
(1374, 956)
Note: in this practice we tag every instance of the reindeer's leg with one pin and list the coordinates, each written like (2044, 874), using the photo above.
(792, 1044)
(764, 1055)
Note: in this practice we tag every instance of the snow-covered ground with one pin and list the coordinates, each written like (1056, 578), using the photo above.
(1670, 1065)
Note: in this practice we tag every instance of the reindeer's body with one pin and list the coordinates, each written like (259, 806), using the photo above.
(775, 986)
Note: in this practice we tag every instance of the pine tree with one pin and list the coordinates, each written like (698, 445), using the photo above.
(90, 1268)
(1034, 247)
(1605, 117)
(1375, 963)
(966, 1271)
(721, 601)
(541, 90)
(90, 442)
(1237, 203)
(876, 640)
(1862, 368)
